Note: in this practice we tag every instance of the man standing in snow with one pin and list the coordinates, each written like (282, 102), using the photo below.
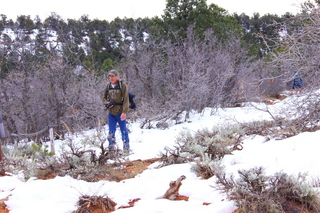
(116, 99)
(297, 83)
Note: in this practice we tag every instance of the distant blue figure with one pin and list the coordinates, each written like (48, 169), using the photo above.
(297, 83)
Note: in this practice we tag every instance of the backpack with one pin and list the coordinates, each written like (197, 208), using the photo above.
(132, 104)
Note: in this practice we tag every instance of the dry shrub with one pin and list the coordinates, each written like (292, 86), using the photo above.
(258, 127)
(204, 170)
(88, 203)
(173, 156)
(256, 192)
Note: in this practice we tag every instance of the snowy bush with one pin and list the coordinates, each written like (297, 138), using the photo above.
(215, 143)
(279, 128)
(300, 114)
(204, 146)
(80, 158)
(31, 158)
(262, 127)
(306, 116)
(254, 191)
(207, 146)
(89, 203)
(207, 167)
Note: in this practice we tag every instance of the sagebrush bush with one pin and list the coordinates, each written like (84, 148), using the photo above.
(28, 157)
(79, 158)
(256, 192)
(207, 167)
(279, 128)
(219, 141)
(203, 146)
(214, 143)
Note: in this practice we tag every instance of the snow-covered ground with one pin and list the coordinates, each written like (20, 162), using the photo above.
(298, 154)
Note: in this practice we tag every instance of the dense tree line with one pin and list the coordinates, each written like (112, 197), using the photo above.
(298, 50)
(196, 55)
(90, 43)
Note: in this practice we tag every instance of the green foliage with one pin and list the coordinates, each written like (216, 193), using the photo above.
(40, 149)
(88, 64)
(99, 40)
(108, 64)
(25, 23)
(256, 27)
(73, 54)
(179, 15)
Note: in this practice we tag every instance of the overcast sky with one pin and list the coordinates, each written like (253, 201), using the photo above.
(109, 9)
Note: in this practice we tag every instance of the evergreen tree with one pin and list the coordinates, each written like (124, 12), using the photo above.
(25, 23)
(181, 14)
(256, 27)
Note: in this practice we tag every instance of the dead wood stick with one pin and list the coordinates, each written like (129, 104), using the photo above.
(173, 192)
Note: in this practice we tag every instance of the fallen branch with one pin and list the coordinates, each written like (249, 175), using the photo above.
(31, 134)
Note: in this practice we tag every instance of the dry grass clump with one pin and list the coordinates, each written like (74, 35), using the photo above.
(88, 204)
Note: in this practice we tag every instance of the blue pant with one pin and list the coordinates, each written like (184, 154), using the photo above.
(112, 121)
